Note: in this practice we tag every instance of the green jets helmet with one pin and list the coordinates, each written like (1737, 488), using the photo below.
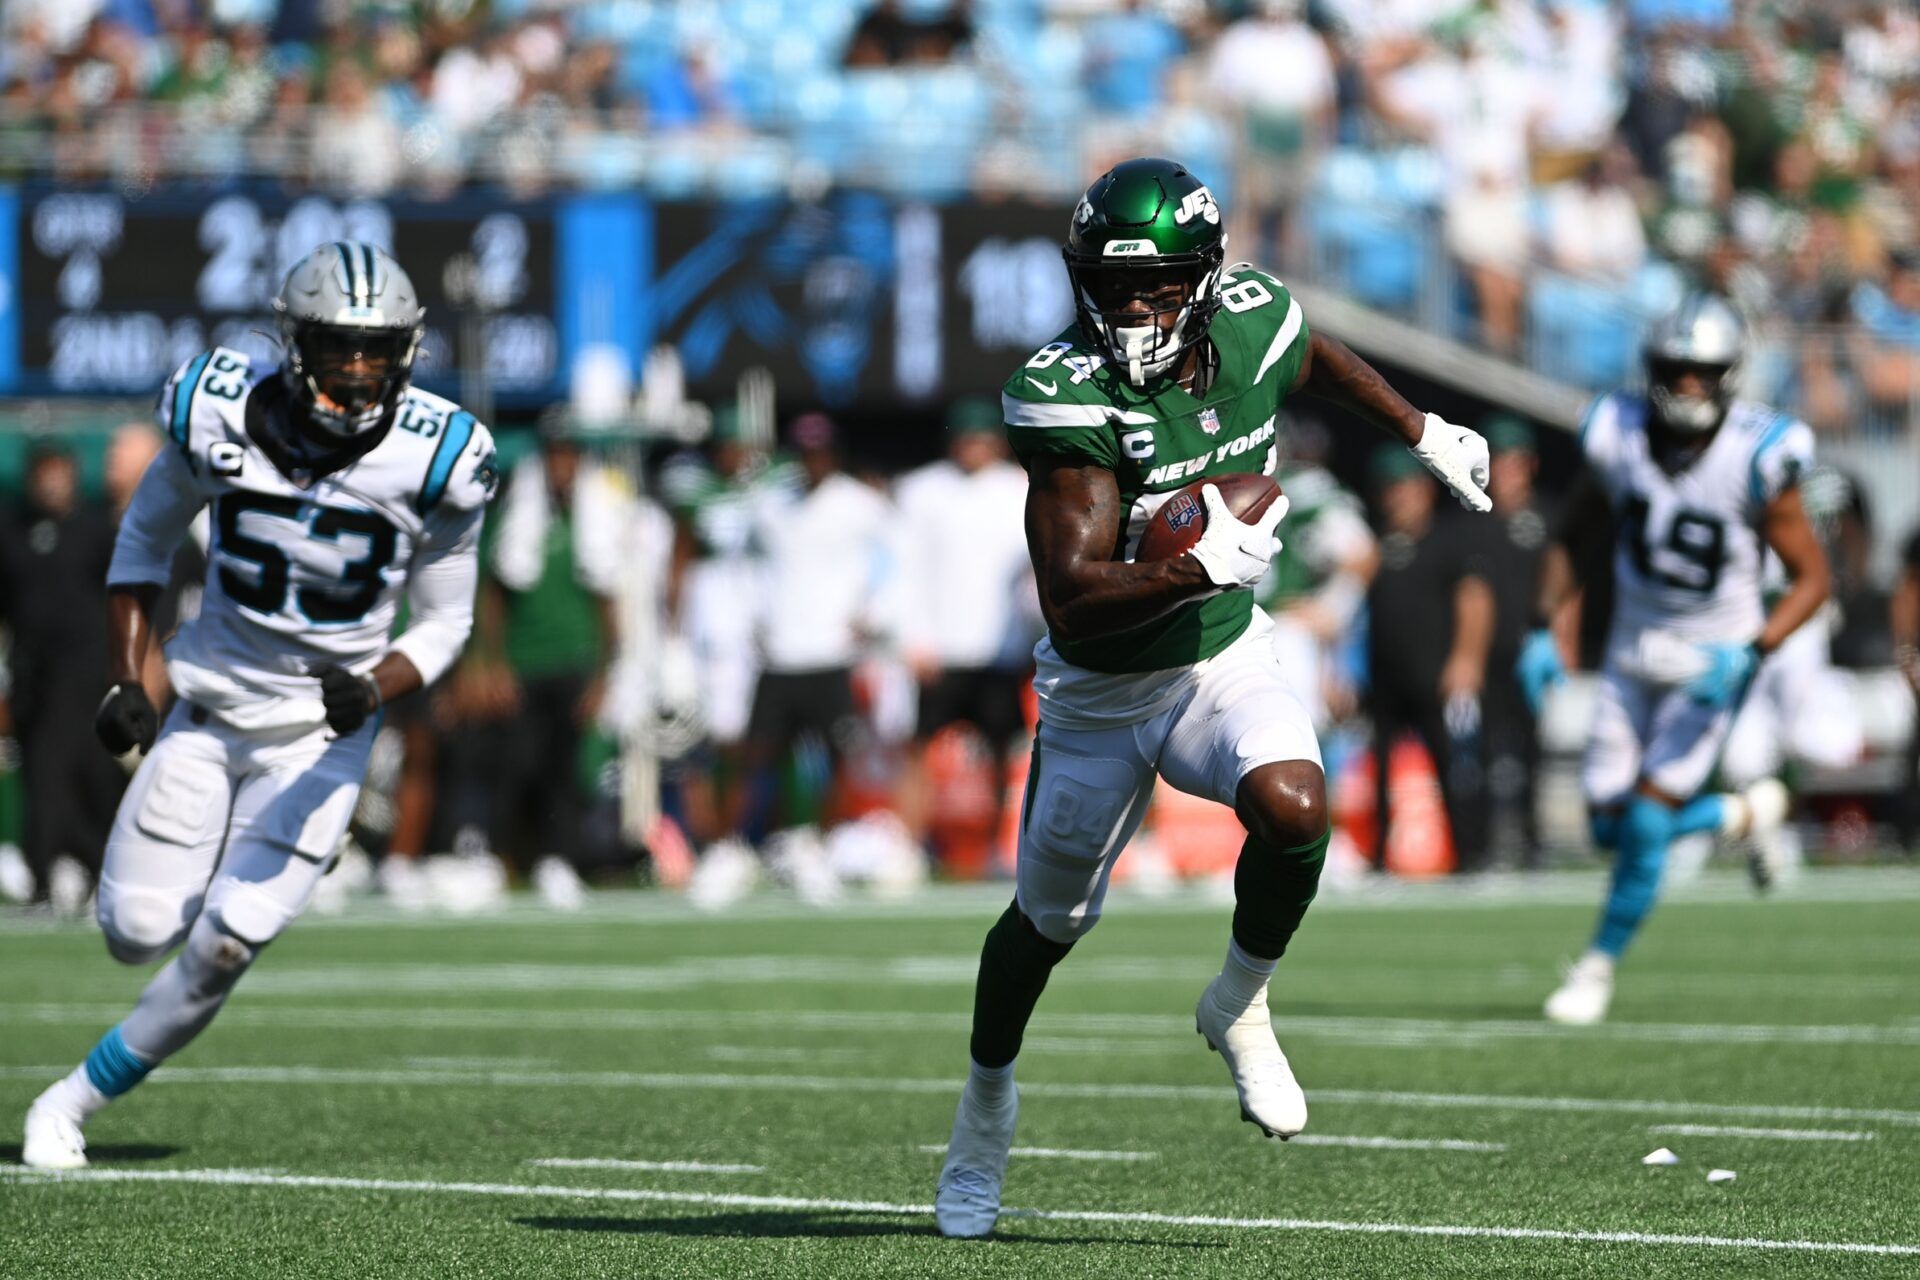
(1146, 230)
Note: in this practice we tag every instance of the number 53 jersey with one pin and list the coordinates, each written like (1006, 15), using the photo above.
(1688, 550)
(306, 566)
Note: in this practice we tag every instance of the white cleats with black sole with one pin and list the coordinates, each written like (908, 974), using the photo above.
(1270, 1098)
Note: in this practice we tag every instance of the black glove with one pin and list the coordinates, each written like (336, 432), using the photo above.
(349, 698)
(126, 719)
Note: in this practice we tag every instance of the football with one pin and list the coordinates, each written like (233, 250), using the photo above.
(1177, 525)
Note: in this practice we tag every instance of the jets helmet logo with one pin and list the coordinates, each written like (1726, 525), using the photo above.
(1198, 203)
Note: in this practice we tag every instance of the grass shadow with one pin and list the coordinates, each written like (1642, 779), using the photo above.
(129, 1151)
(808, 1225)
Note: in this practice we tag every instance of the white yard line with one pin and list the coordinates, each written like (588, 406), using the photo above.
(943, 1085)
(227, 1177)
(1865, 885)
(651, 1166)
(1783, 1135)
(1371, 1030)
(1058, 1153)
(1392, 1144)
(1301, 1140)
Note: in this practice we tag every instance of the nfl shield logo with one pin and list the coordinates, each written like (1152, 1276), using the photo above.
(1210, 422)
(1182, 511)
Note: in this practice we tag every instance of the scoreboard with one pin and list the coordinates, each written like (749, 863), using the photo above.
(114, 293)
(852, 300)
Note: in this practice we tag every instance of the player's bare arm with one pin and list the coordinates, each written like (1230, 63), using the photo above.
(1790, 535)
(1465, 672)
(1456, 455)
(130, 608)
(1333, 372)
(1074, 536)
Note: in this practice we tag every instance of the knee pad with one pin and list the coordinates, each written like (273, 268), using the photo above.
(1075, 822)
(248, 912)
(1063, 924)
(141, 925)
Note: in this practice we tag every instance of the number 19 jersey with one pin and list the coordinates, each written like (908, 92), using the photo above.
(1688, 551)
(303, 569)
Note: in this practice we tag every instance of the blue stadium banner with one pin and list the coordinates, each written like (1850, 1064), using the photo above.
(852, 300)
(604, 257)
(9, 289)
(857, 300)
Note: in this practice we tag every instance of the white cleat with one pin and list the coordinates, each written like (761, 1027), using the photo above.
(1270, 1098)
(726, 873)
(1583, 997)
(1767, 856)
(797, 858)
(559, 885)
(967, 1203)
(53, 1139)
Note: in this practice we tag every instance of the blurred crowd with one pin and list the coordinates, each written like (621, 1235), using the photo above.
(1535, 176)
(757, 660)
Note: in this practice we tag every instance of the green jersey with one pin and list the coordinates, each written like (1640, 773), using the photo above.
(721, 509)
(1068, 403)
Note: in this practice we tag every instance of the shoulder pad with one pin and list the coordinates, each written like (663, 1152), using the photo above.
(1060, 373)
(1783, 449)
(462, 473)
(1260, 314)
(221, 376)
(1607, 419)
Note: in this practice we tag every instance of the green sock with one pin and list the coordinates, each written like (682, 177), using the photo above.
(1014, 965)
(1271, 890)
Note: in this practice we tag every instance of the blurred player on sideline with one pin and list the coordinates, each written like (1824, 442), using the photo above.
(335, 487)
(971, 615)
(1317, 584)
(1699, 487)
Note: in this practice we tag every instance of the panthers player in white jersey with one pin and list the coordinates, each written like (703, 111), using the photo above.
(334, 488)
(1698, 487)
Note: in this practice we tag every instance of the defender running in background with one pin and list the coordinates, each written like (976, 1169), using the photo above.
(1698, 487)
(335, 487)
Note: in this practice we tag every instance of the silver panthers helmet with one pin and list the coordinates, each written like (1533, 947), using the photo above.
(351, 324)
(1702, 336)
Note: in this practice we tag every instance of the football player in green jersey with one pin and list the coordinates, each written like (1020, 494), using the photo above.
(1174, 371)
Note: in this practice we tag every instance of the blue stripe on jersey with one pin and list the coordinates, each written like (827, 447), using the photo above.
(1775, 432)
(453, 443)
(181, 424)
(112, 1066)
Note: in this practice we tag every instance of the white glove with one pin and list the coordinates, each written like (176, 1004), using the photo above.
(1459, 457)
(1233, 552)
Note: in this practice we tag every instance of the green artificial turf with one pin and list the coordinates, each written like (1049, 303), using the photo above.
(417, 1069)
